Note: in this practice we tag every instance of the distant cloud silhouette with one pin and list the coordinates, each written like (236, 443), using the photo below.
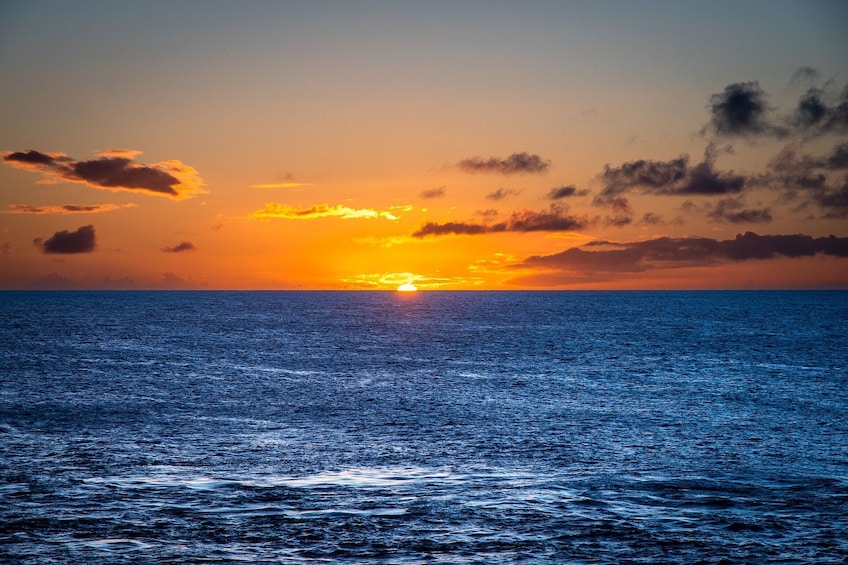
(817, 115)
(433, 193)
(112, 170)
(66, 242)
(565, 192)
(517, 163)
(66, 209)
(804, 179)
(180, 247)
(502, 193)
(675, 177)
(665, 252)
(554, 219)
(733, 211)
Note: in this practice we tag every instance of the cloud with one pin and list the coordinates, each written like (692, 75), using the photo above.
(667, 252)
(168, 281)
(275, 210)
(733, 210)
(517, 163)
(502, 193)
(673, 177)
(66, 209)
(554, 219)
(819, 113)
(113, 170)
(433, 193)
(281, 185)
(807, 179)
(393, 280)
(565, 192)
(180, 247)
(741, 110)
(65, 242)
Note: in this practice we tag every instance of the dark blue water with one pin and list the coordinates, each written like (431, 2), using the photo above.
(698, 427)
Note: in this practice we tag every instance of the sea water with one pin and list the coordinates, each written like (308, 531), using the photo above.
(429, 427)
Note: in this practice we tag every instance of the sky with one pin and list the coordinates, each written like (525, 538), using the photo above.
(450, 145)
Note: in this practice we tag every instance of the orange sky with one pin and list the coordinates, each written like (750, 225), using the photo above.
(474, 146)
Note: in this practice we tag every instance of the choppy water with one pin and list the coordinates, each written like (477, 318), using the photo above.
(699, 427)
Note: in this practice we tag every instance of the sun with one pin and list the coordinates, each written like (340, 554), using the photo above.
(407, 287)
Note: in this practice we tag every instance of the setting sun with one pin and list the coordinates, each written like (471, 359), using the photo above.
(407, 287)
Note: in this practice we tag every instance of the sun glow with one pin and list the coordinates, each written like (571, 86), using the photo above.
(407, 287)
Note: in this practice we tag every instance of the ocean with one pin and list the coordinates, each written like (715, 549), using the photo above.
(428, 427)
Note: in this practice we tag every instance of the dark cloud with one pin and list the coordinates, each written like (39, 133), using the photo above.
(675, 177)
(433, 193)
(180, 247)
(30, 157)
(65, 242)
(838, 158)
(667, 252)
(554, 219)
(514, 164)
(119, 172)
(65, 209)
(457, 228)
(734, 211)
(834, 202)
(502, 193)
(741, 110)
(565, 192)
(819, 113)
(804, 179)
(113, 170)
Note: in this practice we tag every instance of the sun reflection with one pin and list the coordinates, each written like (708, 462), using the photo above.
(407, 287)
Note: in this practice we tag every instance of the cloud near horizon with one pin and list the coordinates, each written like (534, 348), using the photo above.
(112, 170)
(66, 242)
(670, 252)
(66, 209)
(554, 219)
(282, 211)
(517, 163)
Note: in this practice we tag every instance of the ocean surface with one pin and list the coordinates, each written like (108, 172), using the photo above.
(429, 427)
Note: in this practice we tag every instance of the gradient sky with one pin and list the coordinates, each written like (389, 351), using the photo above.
(455, 145)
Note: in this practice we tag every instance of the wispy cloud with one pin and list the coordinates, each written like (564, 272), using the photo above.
(433, 193)
(733, 210)
(281, 185)
(114, 169)
(180, 247)
(66, 209)
(68, 242)
(282, 211)
(555, 218)
(517, 163)
(565, 192)
(502, 193)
